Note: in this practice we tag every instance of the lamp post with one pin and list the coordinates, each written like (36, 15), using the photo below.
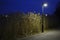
(44, 5)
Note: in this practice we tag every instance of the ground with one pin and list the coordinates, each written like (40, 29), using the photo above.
(50, 35)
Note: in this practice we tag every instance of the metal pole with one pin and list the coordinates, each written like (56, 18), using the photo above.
(42, 19)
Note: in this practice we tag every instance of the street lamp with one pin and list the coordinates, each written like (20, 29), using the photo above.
(44, 5)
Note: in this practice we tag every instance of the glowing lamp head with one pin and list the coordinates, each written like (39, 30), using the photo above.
(45, 4)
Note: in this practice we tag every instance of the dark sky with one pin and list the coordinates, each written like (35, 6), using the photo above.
(7, 6)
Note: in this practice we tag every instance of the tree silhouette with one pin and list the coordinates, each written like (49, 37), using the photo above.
(57, 11)
(57, 15)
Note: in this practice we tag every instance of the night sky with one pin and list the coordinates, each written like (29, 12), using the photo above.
(7, 6)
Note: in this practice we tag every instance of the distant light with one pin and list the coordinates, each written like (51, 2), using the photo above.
(45, 4)
(46, 14)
